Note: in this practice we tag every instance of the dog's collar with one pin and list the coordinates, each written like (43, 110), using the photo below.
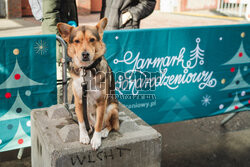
(93, 65)
(76, 71)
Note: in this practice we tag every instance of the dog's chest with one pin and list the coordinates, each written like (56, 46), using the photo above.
(92, 94)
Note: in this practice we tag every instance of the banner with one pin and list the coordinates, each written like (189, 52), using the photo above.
(27, 81)
(175, 74)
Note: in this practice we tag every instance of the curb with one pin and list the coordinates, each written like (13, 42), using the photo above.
(210, 16)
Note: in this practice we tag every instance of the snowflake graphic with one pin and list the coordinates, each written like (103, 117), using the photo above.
(41, 47)
(206, 100)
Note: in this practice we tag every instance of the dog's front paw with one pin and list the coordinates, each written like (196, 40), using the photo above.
(84, 138)
(96, 140)
(105, 133)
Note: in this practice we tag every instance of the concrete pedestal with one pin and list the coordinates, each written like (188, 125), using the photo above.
(55, 142)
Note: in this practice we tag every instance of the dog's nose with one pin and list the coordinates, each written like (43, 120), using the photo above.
(85, 56)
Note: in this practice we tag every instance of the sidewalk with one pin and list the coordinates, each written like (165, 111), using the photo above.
(161, 20)
(195, 143)
(29, 26)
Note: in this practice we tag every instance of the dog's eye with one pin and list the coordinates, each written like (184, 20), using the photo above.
(91, 39)
(77, 41)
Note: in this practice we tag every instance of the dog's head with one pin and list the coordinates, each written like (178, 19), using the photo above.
(85, 43)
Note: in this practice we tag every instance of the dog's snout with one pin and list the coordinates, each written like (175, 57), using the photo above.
(85, 56)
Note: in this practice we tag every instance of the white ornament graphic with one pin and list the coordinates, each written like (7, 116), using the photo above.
(243, 93)
(27, 92)
(116, 37)
(220, 38)
(41, 47)
(28, 123)
(221, 106)
(206, 100)
(1, 141)
(245, 68)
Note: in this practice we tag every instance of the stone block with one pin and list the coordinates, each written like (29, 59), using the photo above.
(57, 112)
(69, 133)
(55, 143)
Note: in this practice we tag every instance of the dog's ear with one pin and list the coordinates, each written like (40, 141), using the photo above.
(101, 26)
(64, 30)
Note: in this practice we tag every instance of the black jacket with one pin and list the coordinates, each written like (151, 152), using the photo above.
(112, 9)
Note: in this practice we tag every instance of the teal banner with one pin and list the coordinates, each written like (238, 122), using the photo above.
(175, 74)
(27, 81)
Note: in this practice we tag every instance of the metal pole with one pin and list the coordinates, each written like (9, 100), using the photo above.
(235, 7)
(64, 69)
(247, 14)
(240, 9)
(7, 8)
(218, 5)
(222, 6)
(228, 118)
(227, 8)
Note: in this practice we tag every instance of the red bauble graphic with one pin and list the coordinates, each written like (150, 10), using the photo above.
(236, 107)
(240, 54)
(20, 141)
(17, 76)
(232, 69)
(7, 95)
(249, 101)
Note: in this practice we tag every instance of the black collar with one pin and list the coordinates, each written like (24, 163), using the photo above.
(76, 71)
(93, 65)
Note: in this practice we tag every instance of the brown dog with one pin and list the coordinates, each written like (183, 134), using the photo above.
(86, 48)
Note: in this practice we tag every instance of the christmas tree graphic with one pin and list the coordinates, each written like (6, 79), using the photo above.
(238, 81)
(233, 88)
(197, 54)
(18, 110)
(19, 93)
(240, 57)
(20, 138)
(18, 79)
